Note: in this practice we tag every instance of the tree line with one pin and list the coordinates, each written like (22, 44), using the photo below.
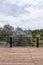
(8, 30)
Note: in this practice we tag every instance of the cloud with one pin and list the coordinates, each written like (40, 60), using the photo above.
(22, 13)
(12, 10)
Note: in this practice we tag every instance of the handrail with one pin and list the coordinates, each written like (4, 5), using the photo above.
(10, 37)
(14, 36)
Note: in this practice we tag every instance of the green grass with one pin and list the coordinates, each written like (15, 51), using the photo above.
(40, 42)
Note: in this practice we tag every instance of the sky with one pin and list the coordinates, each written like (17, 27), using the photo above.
(27, 14)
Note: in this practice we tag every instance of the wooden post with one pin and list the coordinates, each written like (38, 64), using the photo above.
(37, 42)
(10, 41)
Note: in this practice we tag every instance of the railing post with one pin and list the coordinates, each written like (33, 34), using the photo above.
(37, 42)
(10, 41)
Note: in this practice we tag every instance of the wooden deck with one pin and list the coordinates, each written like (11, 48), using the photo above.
(21, 56)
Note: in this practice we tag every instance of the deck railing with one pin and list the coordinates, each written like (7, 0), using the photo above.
(10, 38)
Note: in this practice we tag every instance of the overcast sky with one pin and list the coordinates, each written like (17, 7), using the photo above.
(27, 14)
